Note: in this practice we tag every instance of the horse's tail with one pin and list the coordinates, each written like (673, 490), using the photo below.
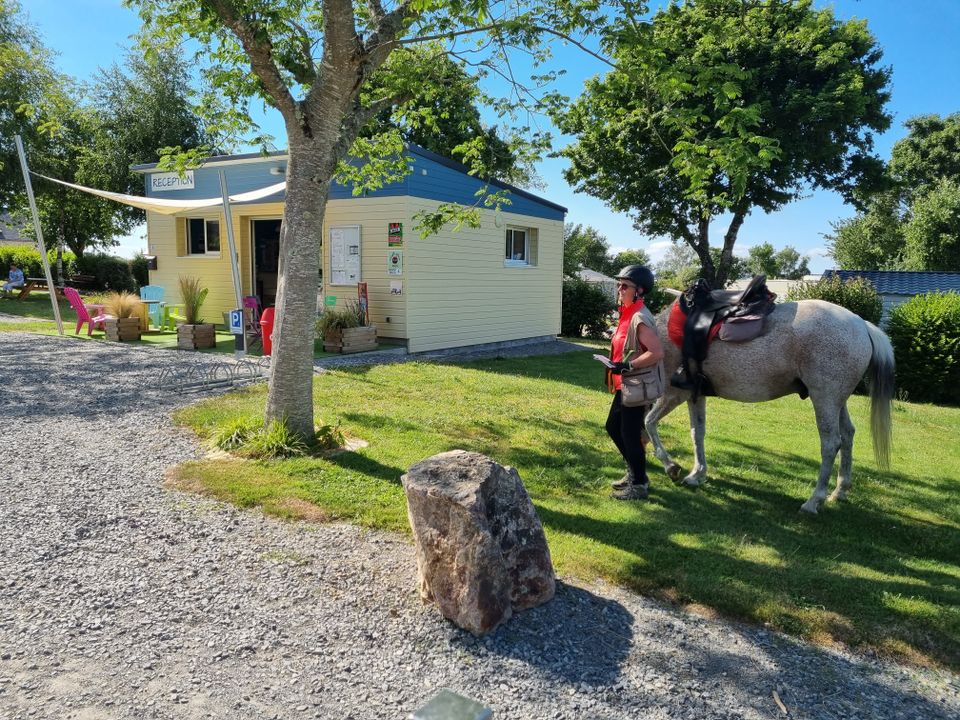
(881, 394)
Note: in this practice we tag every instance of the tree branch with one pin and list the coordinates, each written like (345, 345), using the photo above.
(494, 26)
(260, 51)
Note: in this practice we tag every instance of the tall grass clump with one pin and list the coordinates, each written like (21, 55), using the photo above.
(121, 304)
(193, 297)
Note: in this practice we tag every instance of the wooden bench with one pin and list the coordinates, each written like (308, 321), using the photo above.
(37, 284)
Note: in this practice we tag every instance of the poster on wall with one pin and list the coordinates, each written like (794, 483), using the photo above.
(364, 302)
(396, 287)
(395, 262)
(345, 255)
(395, 235)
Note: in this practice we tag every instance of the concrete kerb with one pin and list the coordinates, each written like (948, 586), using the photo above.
(545, 345)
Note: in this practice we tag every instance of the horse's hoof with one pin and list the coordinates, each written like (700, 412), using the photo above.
(837, 497)
(810, 506)
(692, 482)
(674, 472)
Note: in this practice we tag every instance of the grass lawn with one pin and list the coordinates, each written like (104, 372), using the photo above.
(881, 571)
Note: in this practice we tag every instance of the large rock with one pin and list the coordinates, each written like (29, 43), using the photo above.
(481, 552)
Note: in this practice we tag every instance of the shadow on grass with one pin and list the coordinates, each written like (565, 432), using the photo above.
(742, 547)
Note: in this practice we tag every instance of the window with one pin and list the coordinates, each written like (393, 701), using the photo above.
(521, 247)
(203, 236)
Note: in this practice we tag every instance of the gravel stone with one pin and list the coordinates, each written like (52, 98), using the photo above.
(122, 599)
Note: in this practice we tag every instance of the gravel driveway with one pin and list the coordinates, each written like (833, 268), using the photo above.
(121, 599)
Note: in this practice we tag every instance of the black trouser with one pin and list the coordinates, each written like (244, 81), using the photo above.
(625, 427)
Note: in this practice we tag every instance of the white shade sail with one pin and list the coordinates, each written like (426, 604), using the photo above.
(170, 207)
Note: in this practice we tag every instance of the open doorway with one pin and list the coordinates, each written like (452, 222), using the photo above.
(265, 235)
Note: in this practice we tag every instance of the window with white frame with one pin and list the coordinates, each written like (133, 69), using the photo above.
(521, 247)
(203, 236)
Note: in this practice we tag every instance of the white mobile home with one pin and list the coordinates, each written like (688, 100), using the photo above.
(499, 282)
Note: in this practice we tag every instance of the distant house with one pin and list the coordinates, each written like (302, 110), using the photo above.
(11, 233)
(780, 286)
(897, 286)
(499, 282)
(606, 283)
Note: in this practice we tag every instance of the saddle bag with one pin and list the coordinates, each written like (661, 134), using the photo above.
(642, 387)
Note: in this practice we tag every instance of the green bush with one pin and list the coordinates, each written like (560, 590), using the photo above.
(856, 294)
(27, 258)
(925, 332)
(139, 270)
(110, 272)
(586, 309)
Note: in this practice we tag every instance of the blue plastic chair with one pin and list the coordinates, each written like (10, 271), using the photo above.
(153, 295)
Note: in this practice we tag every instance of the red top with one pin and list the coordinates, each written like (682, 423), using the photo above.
(619, 338)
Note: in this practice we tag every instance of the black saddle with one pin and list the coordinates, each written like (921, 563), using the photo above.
(706, 308)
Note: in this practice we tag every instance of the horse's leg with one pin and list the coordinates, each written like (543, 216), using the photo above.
(660, 409)
(846, 455)
(827, 410)
(698, 428)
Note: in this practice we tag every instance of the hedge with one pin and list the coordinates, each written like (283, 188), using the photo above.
(27, 258)
(110, 272)
(586, 309)
(925, 332)
(856, 294)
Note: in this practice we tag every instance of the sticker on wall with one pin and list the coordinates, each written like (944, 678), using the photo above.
(395, 234)
(395, 262)
(330, 300)
(396, 287)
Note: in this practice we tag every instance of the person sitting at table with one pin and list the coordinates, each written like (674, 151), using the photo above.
(15, 279)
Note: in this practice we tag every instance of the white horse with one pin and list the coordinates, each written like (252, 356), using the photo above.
(812, 347)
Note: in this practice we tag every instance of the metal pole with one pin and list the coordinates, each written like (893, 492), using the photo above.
(36, 225)
(228, 217)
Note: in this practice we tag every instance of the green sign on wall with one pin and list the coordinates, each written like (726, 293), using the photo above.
(330, 300)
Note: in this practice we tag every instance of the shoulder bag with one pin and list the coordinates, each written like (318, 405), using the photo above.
(643, 386)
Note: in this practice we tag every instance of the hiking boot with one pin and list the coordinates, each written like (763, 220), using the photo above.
(623, 482)
(634, 491)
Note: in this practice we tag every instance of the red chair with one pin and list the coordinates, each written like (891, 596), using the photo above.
(84, 311)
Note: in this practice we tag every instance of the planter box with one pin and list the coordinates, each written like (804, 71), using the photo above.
(192, 337)
(120, 329)
(351, 340)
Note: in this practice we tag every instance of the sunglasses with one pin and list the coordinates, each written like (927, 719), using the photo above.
(625, 286)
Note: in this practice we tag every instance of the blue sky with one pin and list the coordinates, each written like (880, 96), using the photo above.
(919, 41)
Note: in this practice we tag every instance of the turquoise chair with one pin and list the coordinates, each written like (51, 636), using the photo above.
(153, 295)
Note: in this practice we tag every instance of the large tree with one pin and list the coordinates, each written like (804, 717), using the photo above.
(329, 68)
(923, 172)
(764, 259)
(726, 106)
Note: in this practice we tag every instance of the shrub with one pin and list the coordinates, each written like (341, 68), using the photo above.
(27, 259)
(856, 294)
(586, 309)
(925, 332)
(193, 296)
(109, 272)
(122, 304)
(350, 316)
(139, 270)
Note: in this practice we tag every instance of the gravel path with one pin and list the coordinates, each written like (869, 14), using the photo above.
(121, 599)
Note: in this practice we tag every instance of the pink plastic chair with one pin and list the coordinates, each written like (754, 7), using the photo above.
(253, 303)
(83, 311)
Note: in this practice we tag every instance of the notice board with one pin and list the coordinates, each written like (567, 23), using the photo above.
(345, 255)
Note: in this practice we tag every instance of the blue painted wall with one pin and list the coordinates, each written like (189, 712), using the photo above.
(432, 177)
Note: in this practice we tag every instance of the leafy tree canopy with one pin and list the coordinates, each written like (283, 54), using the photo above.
(909, 226)
(764, 259)
(585, 247)
(728, 105)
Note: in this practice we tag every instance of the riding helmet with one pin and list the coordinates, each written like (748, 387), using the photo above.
(639, 275)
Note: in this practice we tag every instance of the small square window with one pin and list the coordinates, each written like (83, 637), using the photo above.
(521, 247)
(203, 236)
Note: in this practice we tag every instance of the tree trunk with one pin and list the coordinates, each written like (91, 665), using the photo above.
(290, 394)
(702, 246)
(726, 255)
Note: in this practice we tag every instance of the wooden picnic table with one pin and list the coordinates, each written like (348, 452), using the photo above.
(37, 284)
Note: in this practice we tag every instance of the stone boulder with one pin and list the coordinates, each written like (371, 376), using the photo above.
(481, 552)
